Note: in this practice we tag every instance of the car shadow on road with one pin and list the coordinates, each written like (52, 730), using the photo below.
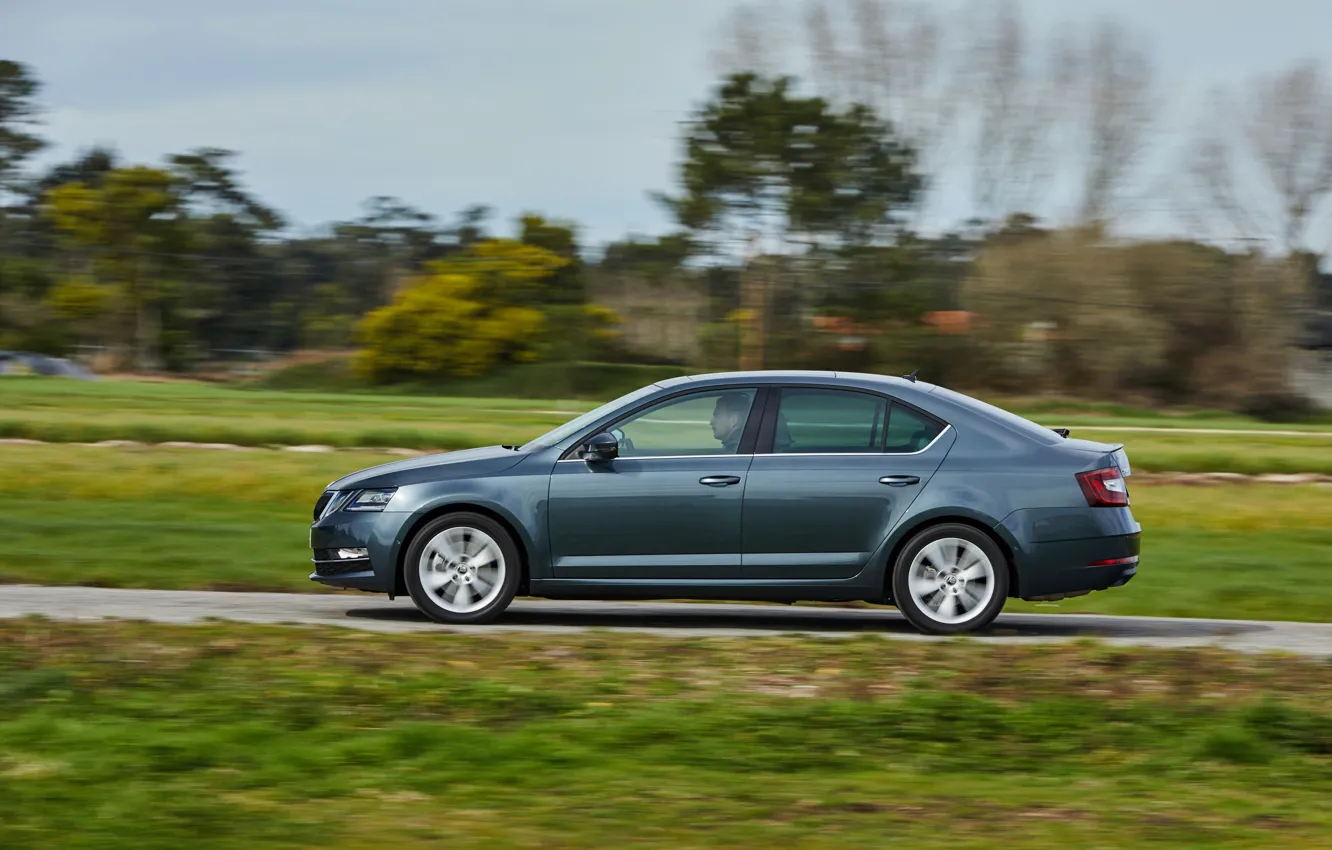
(761, 618)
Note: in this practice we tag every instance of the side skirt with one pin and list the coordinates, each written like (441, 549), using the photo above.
(844, 590)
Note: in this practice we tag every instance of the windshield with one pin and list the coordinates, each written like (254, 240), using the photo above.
(573, 426)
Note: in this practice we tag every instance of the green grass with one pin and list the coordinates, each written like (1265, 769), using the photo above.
(223, 736)
(67, 411)
(59, 410)
(1057, 411)
(598, 381)
(177, 518)
(1244, 453)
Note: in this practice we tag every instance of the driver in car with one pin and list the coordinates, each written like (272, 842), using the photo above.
(728, 420)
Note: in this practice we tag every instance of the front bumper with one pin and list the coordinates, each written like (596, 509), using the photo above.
(375, 532)
(1073, 551)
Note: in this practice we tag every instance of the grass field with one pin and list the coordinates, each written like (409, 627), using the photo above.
(220, 736)
(179, 518)
(58, 410)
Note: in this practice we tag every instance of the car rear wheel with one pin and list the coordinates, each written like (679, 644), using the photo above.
(462, 568)
(950, 579)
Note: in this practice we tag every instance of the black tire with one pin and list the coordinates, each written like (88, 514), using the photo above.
(929, 616)
(436, 606)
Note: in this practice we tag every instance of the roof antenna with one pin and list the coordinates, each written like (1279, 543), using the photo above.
(912, 376)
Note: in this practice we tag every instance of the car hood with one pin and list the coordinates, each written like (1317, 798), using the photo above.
(483, 461)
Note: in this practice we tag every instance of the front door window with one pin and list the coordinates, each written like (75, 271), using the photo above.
(708, 423)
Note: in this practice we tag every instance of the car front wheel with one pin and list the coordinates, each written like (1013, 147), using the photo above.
(950, 579)
(462, 568)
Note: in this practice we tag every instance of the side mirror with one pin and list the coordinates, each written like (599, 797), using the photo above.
(601, 447)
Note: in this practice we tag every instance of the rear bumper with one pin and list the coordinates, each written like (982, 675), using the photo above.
(1068, 552)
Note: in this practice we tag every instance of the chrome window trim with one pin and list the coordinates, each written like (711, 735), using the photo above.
(947, 427)
(650, 457)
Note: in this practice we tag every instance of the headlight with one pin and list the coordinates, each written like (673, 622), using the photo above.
(371, 500)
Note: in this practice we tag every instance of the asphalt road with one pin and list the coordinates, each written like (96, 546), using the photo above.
(377, 613)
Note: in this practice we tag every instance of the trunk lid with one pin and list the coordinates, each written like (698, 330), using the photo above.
(1114, 452)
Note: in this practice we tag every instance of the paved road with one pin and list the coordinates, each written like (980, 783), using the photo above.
(377, 613)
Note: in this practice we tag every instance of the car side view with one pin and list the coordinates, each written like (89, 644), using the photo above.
(758, 486)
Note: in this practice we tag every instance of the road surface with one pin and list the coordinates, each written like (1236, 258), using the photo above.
(377, 613)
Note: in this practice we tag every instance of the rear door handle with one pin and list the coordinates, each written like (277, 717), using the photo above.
(719, 480)
(899, 480)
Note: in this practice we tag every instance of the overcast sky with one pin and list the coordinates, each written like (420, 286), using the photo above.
(567, 107)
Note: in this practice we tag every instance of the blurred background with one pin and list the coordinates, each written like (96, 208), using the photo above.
(1128, 201)
(248, 247)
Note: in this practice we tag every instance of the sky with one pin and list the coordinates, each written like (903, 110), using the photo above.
(570, 108)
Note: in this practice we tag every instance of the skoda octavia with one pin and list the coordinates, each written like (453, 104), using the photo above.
(776, 486)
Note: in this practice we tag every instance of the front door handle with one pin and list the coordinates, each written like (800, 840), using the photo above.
(899, 480)
(719, 480)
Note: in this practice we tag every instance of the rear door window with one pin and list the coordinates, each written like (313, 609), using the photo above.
(829, 422)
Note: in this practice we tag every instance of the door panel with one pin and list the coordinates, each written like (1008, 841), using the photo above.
(648, 518)
(820, 505)
(816, 517)
(669, 506)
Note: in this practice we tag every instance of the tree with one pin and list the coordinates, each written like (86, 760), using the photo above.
(893, 56)
(462, 319)
(231, 296)
(751, 40)
(18, 88)
(1015, 109)
(560, 239)
(18, 111)
(898, 58)
(211, 185)
(1262, 164)
(132, 227)
(1112, 99)
(766, 170)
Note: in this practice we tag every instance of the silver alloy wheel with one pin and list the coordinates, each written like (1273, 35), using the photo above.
(462, 568)
(951, 580)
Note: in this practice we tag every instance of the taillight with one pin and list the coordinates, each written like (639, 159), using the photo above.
(1104, 488)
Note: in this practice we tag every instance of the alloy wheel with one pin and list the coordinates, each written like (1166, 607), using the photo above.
(951, 580)
(463, 569)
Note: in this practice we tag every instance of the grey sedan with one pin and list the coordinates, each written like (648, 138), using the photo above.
(766, 486)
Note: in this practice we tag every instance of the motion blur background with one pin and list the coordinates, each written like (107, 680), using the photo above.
(1126, 200)
(247, 247)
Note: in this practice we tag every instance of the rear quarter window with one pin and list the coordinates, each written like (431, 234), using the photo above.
(909, 431)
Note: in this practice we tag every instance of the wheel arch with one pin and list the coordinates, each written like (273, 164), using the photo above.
(510, 526)
(991, 529)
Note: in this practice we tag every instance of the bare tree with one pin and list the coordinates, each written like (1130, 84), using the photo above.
(891, 55)
(1262, 163)
(1111, 98)
(1015, 104)
(752, 40)
(978, 97)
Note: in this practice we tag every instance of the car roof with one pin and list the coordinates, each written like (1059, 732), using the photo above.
(850, 380)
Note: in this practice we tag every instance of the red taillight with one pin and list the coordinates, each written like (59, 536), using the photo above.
(1104, 488)
(1115, 562)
